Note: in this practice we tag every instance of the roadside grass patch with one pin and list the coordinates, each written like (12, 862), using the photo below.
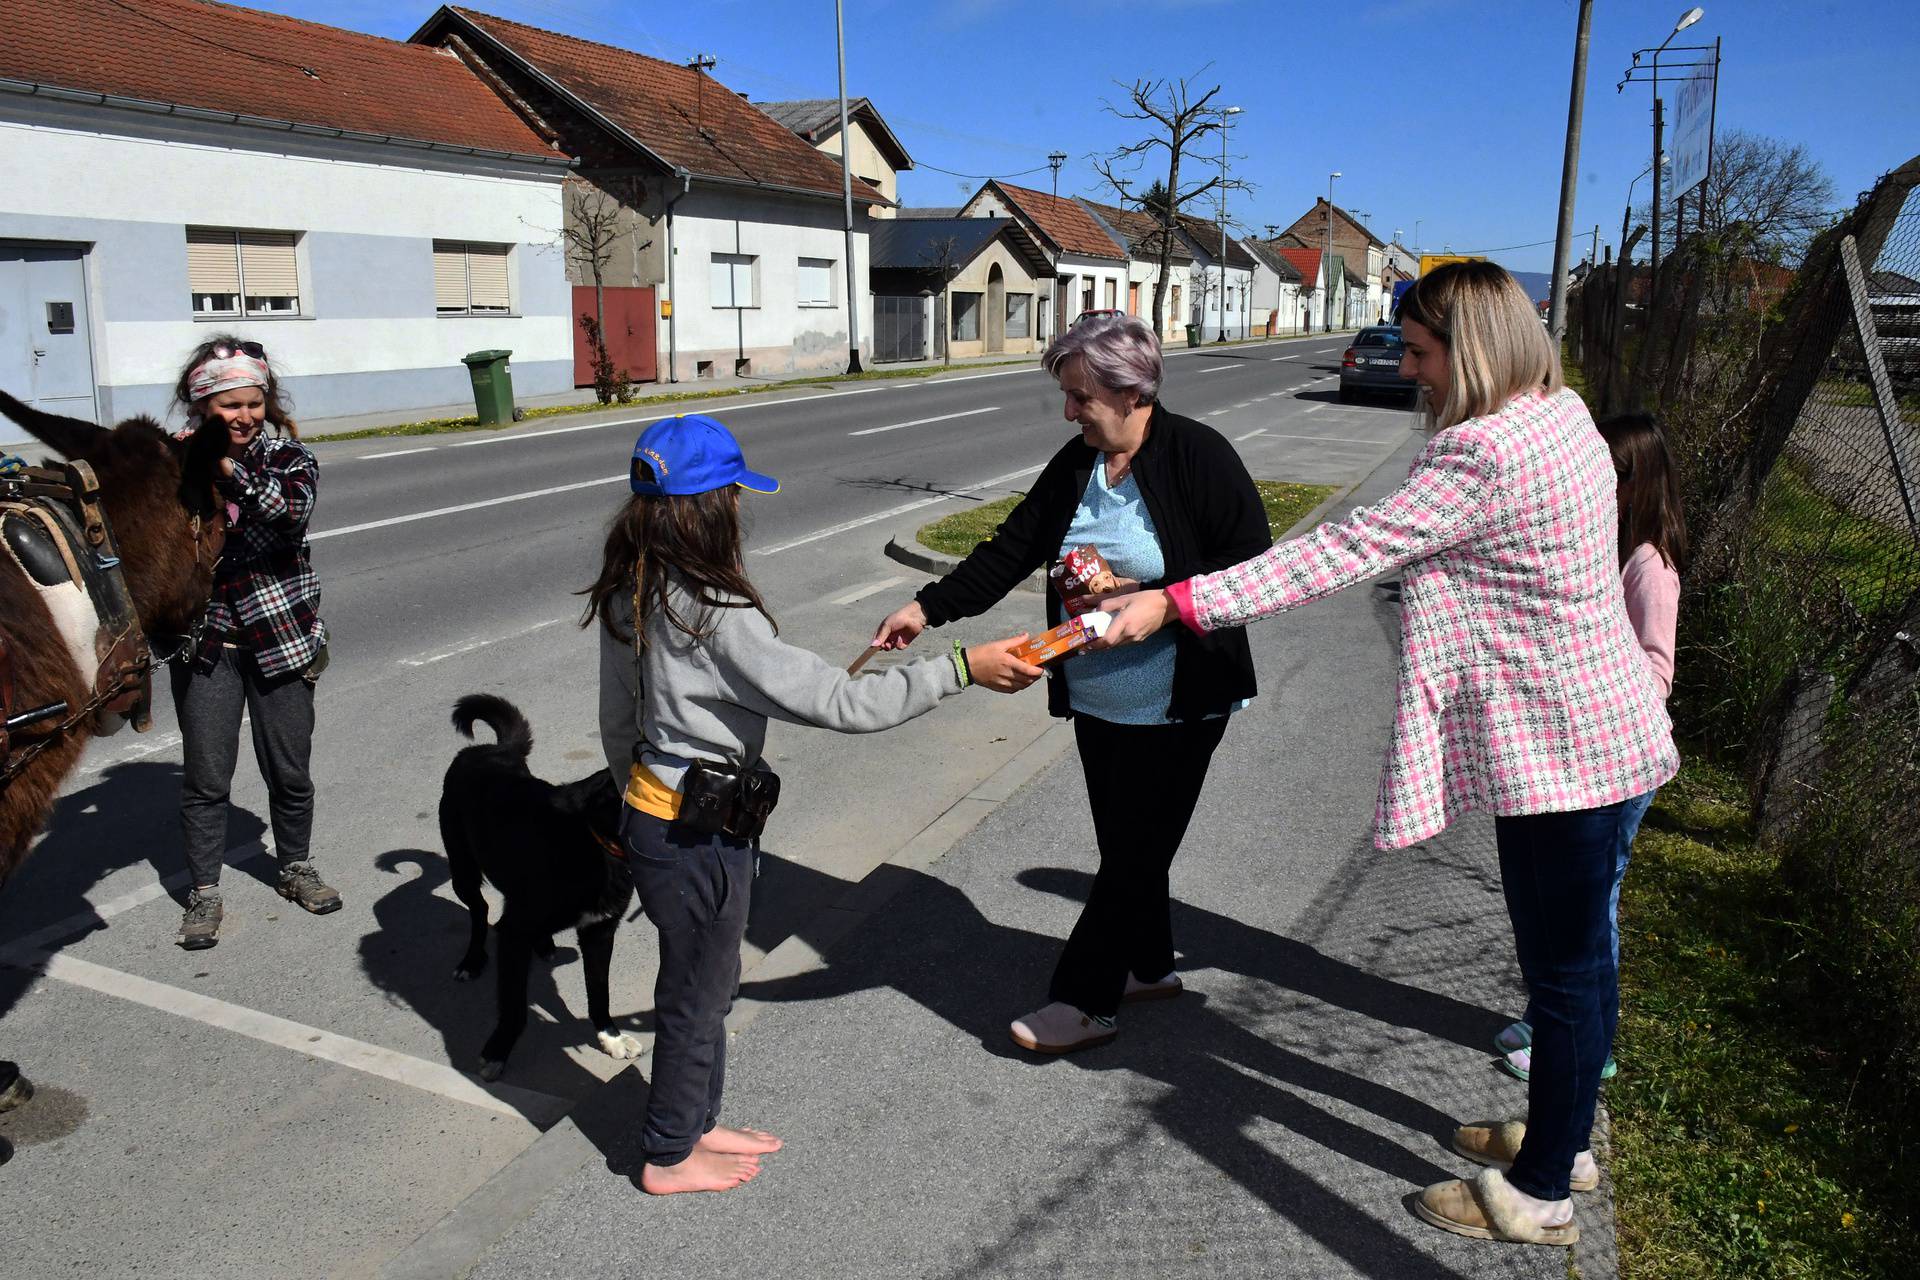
(956, 535)
(1738, 1148)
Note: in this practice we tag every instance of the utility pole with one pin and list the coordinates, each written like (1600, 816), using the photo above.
(1225, 113)
(1329, 271)
(1054, 160)
(1569, 176)
(854, 293)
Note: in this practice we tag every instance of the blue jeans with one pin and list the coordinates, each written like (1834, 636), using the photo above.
(1636, 810)
(695, 889)
(1560, 873)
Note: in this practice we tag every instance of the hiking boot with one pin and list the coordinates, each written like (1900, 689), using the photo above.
(15, 1088)
(200, 927)
(300, 883)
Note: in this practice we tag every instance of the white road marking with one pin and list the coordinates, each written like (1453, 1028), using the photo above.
(138, 750)
(468, 646)
(106, 909)
(394, 453)
(283, 1033)
(1314, 408)
(1218, 368)
(1333, 439)
(1250, 435)
(921, 422)
(465, 506)
(1283, 357)
(871, 589)
(891, 512)
(1243, 404)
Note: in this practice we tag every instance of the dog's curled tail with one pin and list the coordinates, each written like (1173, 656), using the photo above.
(508, 725)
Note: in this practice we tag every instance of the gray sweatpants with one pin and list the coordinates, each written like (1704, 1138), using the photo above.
(209, 706)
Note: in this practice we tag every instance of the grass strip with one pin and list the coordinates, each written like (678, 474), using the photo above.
(1286, 502)
(1738, 1151)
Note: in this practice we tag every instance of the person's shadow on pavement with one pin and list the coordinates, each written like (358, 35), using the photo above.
(937, 949)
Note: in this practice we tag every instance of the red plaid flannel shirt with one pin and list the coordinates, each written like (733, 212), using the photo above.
(266, 598)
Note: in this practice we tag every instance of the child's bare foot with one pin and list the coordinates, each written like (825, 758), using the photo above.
(742, 1142)
(700, 1171)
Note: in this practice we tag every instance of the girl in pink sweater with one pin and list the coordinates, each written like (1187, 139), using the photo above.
(1653, 551)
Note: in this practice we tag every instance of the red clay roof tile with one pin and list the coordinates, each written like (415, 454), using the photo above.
(219, 57)
(685, 118)
(1063, 222)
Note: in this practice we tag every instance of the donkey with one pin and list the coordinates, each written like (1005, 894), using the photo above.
(157, 494)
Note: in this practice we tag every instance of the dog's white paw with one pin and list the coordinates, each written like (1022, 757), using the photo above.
(491, 1070)
(618, 1044)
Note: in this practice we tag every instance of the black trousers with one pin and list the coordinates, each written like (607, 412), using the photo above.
(1143, 781)
(696, 890)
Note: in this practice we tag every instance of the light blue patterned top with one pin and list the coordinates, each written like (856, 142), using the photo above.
(1133, 685)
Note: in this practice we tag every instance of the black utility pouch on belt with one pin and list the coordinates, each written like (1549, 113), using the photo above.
(715, 799)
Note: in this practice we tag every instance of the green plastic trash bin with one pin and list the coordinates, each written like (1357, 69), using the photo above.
(492, 385)
(1193, 335)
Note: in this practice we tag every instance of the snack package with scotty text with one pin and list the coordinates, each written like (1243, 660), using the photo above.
(1083, 571)
(1069, 636)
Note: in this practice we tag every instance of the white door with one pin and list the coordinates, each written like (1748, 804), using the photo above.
(46, 355)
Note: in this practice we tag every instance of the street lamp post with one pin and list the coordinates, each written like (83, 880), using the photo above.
(1055, 159)
(1686, 20)
(1328, 274)
(1224, 114)
(846, 194)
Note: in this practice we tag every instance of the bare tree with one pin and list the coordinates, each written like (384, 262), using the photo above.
(1764, 199)
(590, 228)
(1177, 115)
(942, 255)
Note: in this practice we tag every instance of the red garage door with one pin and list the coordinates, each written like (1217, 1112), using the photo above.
(630, 333)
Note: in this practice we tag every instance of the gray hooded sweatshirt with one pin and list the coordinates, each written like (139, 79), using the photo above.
(711, 699)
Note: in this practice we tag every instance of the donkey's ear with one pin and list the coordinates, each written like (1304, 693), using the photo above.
(69, 437)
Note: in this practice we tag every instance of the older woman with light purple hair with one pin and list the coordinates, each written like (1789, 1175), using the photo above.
(1161, 497)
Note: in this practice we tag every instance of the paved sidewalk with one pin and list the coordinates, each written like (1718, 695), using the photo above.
(1273, 1121)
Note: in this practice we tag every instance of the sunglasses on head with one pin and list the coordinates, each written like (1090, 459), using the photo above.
(227, 351)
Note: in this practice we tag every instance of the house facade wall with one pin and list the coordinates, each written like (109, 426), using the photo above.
(1015, 280)
(776, 333)
(1143, 272)
(868, 163)
(122, 189)
(1205, 307)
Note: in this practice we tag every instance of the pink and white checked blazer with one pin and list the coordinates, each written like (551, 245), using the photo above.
(1522, 688)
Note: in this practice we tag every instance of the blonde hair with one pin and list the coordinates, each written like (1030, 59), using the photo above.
(1496, 346)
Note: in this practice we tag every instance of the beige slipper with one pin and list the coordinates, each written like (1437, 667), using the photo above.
(1059, 1028)
(1165, 989)
(1496, 1143)
(1487, 1209)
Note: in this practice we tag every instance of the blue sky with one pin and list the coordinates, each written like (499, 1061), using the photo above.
(1452, 112)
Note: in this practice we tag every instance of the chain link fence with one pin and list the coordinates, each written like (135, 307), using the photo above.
(1792, 402)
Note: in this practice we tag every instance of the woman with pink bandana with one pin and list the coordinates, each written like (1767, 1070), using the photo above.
(262, 646)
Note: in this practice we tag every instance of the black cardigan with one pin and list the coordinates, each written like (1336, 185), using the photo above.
(1206, 513)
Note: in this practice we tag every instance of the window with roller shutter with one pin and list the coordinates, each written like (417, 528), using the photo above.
(242, 272)
(470, 279)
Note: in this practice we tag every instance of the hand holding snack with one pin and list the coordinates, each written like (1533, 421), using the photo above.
(1072, 635)
(1133, 618)
(998, 666)
(1090, 603)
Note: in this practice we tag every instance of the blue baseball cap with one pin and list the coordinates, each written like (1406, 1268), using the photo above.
(691, 454)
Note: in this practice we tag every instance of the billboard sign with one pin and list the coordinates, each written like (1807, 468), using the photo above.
(1692, 146)
(1428, 261)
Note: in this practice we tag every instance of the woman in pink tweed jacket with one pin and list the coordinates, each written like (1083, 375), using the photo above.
(1521, 690)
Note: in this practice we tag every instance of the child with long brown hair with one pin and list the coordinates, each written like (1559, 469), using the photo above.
(691, 670)
(1653, 554)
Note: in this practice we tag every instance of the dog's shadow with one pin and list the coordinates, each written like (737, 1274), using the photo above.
(411, 957)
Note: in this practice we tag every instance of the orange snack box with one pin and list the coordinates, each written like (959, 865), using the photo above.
(1069, 636)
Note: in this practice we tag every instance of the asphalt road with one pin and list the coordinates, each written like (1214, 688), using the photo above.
(295, 1101)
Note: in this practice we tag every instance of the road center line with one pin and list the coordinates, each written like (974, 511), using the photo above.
(871, 589)
(465, 506)
(480, 642)
(1250, 435)
(1217, 368)
(921, 422)
(891, 512)
(394, 453)
(283, 1033)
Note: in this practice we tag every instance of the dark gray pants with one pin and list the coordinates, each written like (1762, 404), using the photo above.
(696, 890)
(209, 706)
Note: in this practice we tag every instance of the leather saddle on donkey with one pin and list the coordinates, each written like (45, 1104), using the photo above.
(52, 526)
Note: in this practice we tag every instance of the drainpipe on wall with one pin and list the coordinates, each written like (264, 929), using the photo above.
(673, 294)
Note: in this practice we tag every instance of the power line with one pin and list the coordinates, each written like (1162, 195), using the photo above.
(979, 177)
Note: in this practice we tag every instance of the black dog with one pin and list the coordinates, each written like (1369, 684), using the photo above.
(551, 851)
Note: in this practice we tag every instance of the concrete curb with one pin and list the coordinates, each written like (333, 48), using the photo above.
(910, 551)
(452, 1246)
